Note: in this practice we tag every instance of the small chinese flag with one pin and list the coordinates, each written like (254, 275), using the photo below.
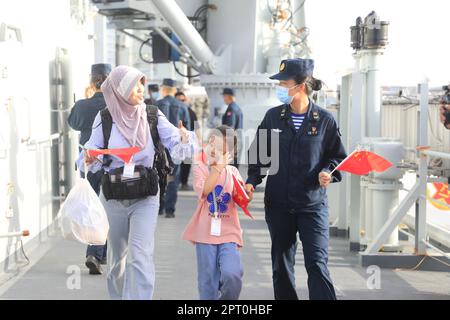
(363, 162)
(123, 153)
(201, 157)
(240, 197)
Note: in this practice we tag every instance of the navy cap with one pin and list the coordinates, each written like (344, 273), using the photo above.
(168, 83)
(228, 91)
(153, 87)
(101, 69)
(290, 68)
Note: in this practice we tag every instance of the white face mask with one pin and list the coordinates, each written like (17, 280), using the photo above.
(156, 95)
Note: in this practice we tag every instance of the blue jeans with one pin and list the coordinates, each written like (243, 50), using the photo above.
(98, 251)
(219, 271)
(170, 198)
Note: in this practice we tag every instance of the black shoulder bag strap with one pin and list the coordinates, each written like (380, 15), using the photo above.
(106, 128)
(160, 151)
(152, 118)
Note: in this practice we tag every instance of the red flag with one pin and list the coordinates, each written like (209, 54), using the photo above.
(363, 162)
(123, 153)
(201, 157)
(240, 197)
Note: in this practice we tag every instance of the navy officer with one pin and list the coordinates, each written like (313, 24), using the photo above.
(306, 141)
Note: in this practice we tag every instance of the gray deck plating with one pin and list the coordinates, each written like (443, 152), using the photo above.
(177, 275)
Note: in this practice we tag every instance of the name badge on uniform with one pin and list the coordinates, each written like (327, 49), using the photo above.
(128, 170)
(215, 227)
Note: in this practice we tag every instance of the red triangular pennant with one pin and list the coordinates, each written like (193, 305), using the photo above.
(123, 153)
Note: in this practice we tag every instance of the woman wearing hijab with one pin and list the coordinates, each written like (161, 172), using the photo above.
(131, 271)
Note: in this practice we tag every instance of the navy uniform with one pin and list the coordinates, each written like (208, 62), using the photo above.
(81, 119)
(185, 167)
(83, 114)
(174, 110)
(233, 115)
(153, 91)
(233, 118)
(84, 111)
(294, 200)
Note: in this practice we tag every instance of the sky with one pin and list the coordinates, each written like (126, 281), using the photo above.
(419, 39)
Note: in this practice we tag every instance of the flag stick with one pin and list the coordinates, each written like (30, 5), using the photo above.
(87, 150)
(343, 161)
(84, 159)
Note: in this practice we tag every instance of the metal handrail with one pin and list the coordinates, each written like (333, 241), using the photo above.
(53, 137)
(436, 154)
(24, 233)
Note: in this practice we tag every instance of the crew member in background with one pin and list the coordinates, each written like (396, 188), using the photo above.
(233, 118)
(186, 165)
(175, 111)
(81, 119)
(153, 95)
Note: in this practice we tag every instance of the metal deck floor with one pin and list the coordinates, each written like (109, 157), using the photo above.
(46, 276)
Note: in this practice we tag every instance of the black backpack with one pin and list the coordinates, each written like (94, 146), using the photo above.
(162, 161)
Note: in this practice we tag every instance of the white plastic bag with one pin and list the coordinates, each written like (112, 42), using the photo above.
(83, 216)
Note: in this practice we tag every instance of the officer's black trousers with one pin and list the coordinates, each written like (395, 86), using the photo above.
(313, 229)
(184, 173)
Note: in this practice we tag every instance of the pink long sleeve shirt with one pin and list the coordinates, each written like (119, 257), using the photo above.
(199, 227)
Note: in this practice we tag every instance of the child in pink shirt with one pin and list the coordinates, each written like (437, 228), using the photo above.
(214, 228)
